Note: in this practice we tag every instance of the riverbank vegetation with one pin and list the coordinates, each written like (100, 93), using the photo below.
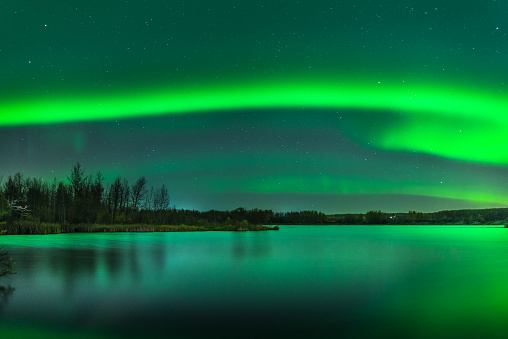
(23, 227)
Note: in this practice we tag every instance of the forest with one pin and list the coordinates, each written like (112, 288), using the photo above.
(34, 205)
(489, 216)
(84, 201)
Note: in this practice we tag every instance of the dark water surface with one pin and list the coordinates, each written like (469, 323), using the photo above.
(301, 281)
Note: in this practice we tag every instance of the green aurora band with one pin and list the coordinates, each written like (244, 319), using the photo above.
(445, 121)
(327, 184)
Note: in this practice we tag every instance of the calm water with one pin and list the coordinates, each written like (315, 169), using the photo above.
(302, 281)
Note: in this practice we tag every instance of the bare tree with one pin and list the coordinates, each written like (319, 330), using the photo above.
(97, 193)
(15, 189)
(138, 192)
(52, 192)
(164, 198)
(149, 199)
(62, 201)
(77, 180)
(125, 194)
(161, 202)
(116, 195)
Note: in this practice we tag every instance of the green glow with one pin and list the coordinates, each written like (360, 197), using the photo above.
(427, 100)
(326, 184)
(435, 115)
(79, 142)
(465, 139)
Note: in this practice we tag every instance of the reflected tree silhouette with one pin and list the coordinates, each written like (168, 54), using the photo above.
(6, 263)
(6, 268)
(74, 264)
(5, 294)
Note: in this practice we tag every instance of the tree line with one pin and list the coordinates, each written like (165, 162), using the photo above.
(489, 216)
(84, 198)
(88, 199)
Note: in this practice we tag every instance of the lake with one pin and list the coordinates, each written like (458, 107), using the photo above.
(301, 281)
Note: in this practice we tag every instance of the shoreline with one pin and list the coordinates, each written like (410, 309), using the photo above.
(46, 228)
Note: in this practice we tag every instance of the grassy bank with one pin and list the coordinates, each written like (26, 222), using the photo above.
(32, 227)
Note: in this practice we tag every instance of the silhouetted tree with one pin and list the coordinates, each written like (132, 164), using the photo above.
(161, 202)
(138, 192)
(63, 201)
(376, 218)
(15, 189)
(77, 180)
(52, 197)
(115, 196)
(78, 185)
(97, 191)
(149, 199)
(125, 195)
(38, 198)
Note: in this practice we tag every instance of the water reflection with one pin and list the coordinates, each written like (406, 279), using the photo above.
(299, 283)
(245, 245)
(133, 261)
(113, 260)
(70, 268)
(158, 257)
(5, 294)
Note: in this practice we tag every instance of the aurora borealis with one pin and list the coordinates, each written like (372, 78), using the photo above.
(337, 106)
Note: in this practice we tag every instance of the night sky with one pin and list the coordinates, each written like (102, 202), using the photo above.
(336, 106)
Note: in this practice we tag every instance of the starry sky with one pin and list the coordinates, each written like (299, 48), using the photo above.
(337, 106)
